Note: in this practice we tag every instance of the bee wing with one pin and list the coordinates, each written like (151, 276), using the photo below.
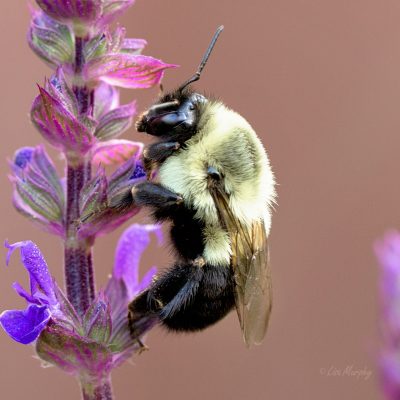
(250, 262)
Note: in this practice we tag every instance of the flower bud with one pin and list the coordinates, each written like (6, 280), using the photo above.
(97, 321)
(54, 120)
(73, 353)
(85, 16)
(50, 40)
(115, 122)
(79, 13)
(38, 191)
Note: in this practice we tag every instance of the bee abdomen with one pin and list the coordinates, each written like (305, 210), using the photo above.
(188, 297)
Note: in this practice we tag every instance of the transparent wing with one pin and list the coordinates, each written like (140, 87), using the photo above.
(250, 263)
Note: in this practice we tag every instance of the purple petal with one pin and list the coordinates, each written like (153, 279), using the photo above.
(35, 264)
(139, 172)
(35, 174)
(23, 156)
(106, 99)
(132, 243)
(24, 326)
(59, 89)
(106, 222)
(36, 195)
(387, 251)
(50, 40)
(94, 194)
(24, 294)
(115, 39)
(122, 175)
(390, 369)
(84, 10)
(126, 70)
(116, 152)
(115, 122)
(24, 209)
(133, 46)
(112, 9)
(58, 126)
(146, 280)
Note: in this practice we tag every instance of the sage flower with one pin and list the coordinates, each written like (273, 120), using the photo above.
(85, 15)
(78, 112)
(51, 321)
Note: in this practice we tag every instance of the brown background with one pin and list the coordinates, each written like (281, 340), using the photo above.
(320, 82)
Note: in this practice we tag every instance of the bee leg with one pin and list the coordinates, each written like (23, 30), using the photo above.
(199, 262)
(142, 347)
(157, 153)
(171, 292)
(142, 315)
(186, 294)
(145, 194)
(154, 195)
(160, 151)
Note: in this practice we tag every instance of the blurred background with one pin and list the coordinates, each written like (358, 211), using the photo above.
(320, 83)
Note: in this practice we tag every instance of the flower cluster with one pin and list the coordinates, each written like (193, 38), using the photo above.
(78, 112)
(63, 337)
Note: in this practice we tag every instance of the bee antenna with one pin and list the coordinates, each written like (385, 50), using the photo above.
(203, 63)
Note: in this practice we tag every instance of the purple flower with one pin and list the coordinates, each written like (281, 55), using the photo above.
(106, 98)
(116, 152)
(24, 326)
(387, 251)
(83, 10)
(85, 15)
(98, 341)
(51, 41)
(124, 284)
(126, 70)
(38, 193)
(132, 243)
(98, 217)
(53, 118)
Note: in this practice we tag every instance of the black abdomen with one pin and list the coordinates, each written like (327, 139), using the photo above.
(211, 302)
(186, 231)
(186, 297)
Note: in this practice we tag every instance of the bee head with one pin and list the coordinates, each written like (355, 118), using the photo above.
(176, 114)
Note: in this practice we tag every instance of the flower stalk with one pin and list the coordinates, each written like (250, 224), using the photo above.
(98, 390)
(82, 331)
(78, 268)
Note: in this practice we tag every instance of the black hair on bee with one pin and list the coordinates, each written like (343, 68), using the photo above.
(215, 186)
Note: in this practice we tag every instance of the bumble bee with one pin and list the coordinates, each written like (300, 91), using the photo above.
(214, 184)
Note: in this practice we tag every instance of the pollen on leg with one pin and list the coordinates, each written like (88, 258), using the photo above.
(142, 347)
(160, 304)
(199, 262)
(134, 191)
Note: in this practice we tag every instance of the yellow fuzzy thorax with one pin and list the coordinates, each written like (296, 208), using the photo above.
(228, 143)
